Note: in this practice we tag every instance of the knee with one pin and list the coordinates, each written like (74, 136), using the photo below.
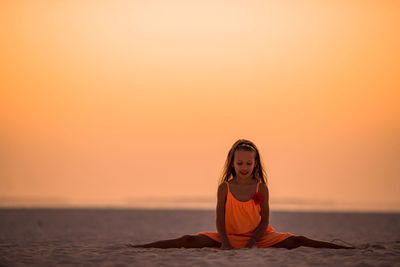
(296, 241)
(186, 240)
(301, 239)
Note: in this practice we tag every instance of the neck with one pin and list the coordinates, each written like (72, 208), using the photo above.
(241, 180)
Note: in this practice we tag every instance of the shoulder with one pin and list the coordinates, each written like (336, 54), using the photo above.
(263, 189)
(222, 194)
(222, 191)
(222, 188)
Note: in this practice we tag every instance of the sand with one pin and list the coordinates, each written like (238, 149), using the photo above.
(50, 237)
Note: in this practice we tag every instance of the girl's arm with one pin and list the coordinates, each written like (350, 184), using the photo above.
(264, 217)
(221, 200)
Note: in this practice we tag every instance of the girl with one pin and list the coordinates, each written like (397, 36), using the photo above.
(242, 210)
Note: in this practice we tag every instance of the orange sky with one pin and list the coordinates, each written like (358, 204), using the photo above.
(106, 101)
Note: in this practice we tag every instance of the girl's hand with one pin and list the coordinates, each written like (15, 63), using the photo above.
(251, 243)
(226, 246)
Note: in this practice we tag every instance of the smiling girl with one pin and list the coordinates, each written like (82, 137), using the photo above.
(242, 217)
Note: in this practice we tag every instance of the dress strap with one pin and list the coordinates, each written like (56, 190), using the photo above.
(258, 183)
(227, 184)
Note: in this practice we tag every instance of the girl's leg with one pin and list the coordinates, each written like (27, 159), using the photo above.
(297, 241)
(186, 241)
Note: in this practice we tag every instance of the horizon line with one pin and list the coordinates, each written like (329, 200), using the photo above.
(194, 203)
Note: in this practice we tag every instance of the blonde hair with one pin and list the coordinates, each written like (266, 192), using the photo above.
(229, 173)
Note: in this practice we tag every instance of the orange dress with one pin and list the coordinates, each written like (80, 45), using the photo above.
(241, 220)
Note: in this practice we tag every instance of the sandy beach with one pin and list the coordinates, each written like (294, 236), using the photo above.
(84, 237)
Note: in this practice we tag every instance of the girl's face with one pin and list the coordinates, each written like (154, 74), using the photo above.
(244, 163)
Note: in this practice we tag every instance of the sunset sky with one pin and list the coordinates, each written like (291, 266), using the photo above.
(109, 102)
